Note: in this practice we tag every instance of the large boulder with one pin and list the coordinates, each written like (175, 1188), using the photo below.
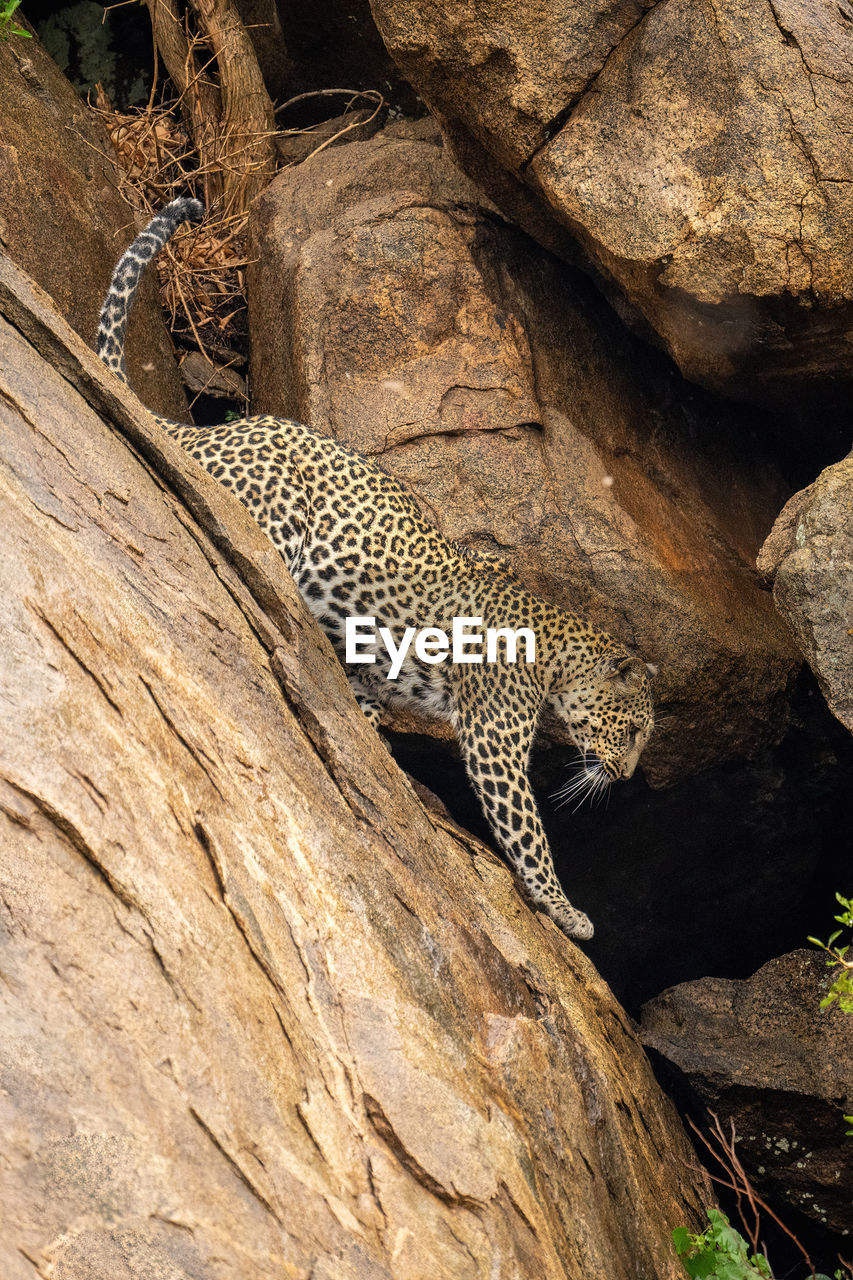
(261, 1015)
(763, 1056)
(62, 218)
(393, 308)
(698, 150)
(809, 559)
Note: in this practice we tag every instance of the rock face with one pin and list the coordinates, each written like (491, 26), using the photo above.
(62, 219)
(809, 558)
(761, 1053)
(393, 308)
(261, 1014)
(699, 151)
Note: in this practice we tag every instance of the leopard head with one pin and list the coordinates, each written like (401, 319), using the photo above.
(607, 713)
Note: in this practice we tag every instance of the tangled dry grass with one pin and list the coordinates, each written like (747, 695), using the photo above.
(202, 270)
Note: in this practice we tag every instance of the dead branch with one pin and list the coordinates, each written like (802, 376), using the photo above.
(232, 123)
(199, 96)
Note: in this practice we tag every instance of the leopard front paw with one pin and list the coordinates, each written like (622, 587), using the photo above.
(572, 922)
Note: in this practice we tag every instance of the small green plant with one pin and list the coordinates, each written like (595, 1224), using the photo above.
(842, 967)
(7, 26)
(719, 1253)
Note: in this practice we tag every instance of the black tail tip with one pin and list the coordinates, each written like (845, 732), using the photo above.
(186, 209)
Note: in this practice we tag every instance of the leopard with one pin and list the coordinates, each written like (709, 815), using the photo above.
(357, 546)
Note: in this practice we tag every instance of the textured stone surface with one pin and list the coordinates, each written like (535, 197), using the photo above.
(809, 558)
(507, 70)
(698, 149)
(395, 310)
(761, 1053)
(261, 1015)
(62, 219)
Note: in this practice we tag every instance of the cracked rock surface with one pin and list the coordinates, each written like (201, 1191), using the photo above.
(397, 311)
(699, 151)
(261, 1015)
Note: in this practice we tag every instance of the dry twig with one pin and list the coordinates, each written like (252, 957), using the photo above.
(372, 95)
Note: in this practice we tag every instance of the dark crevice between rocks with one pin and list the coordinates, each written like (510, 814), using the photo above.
(562, 117)
(92, 44)
(713, 876)
(320, 46)
(797, 439)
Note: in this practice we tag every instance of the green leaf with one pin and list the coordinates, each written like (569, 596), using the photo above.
(846, 903)
(720, 1253)
(732, 1268)
(681, 1238)
(703, 1265)
(726, 1238)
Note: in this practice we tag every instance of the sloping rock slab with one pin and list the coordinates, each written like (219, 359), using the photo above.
(698, 149)
(62, 218)
(391, 307)
(261, 1015)
(761, 1053)
(809, 559)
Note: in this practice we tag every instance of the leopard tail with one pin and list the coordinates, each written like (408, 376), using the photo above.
(128, 272)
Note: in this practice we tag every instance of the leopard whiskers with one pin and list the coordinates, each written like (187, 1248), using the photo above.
(590, 781)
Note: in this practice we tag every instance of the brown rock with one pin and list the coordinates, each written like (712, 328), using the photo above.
(699, 151)
(395, 310)
(809, 558)
(507, 73)
(261, 1015)
(761, 1053)
(62, 218)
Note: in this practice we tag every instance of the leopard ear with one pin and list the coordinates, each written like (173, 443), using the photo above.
(626, 673)
(651, 670)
